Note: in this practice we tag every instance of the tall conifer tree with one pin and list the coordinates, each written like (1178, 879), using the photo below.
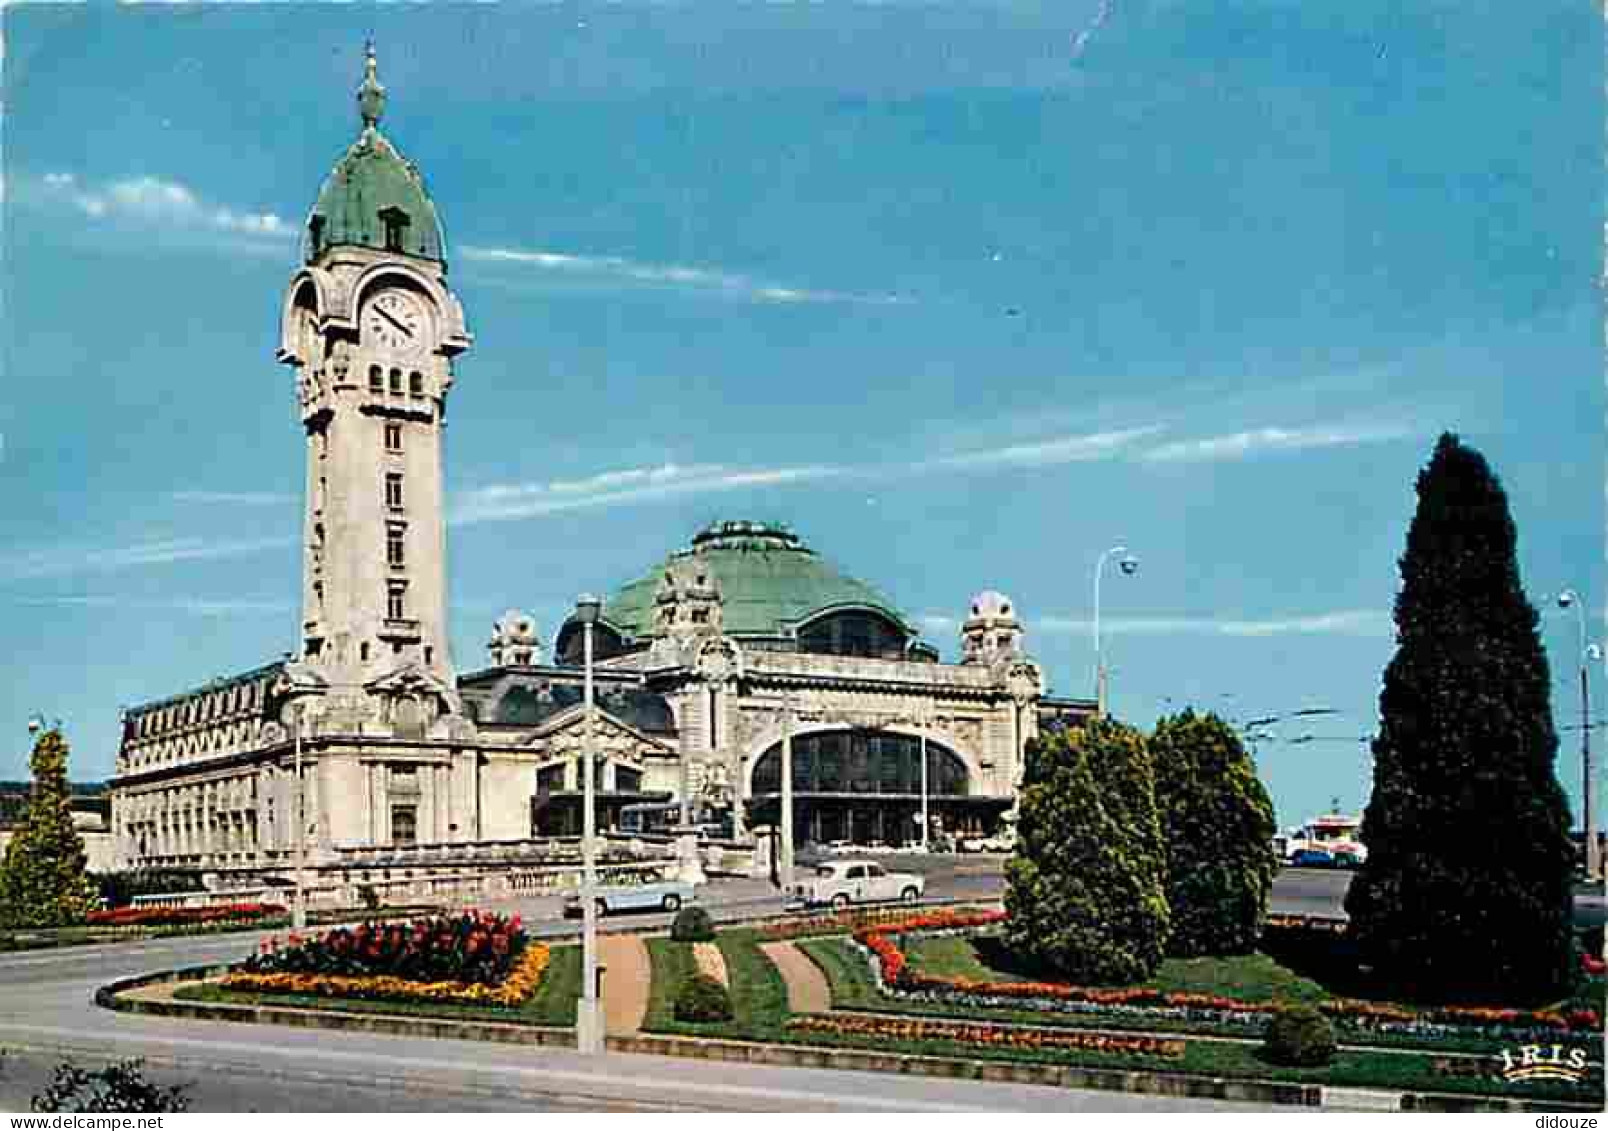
(1466, 891)
(44, 878)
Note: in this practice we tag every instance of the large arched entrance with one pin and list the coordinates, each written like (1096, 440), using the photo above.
(864, 786)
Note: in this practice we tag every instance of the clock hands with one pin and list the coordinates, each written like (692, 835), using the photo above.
(388, 317)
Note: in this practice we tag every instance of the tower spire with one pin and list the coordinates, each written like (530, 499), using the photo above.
(371, 95)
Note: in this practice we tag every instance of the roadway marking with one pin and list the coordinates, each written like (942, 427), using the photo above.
(576, 1082)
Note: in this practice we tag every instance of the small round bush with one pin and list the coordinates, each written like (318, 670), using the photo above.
(701, 998)
(692, 924)
(1298, 1036)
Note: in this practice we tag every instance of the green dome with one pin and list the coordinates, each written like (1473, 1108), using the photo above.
(769, 582)
(375, 197)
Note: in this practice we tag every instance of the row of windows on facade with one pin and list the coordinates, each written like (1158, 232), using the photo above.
(377, 382)
(244, 697)
(550, 779)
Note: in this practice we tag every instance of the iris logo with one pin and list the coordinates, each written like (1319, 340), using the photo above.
(1543, 1062)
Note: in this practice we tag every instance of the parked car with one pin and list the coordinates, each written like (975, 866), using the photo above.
(838, 883)
(661, 895)
(1312, 858)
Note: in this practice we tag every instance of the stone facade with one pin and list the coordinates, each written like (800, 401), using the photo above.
(369, 740)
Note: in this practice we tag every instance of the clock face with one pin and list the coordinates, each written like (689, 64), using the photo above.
(395, 323)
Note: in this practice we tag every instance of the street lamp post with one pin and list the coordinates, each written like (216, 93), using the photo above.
(785, 818)
(1569, 598)
(1129, 565)
(588, 1015)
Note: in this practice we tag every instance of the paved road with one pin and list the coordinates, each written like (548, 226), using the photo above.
(48, 1013)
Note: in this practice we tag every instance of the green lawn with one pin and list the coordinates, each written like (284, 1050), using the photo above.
(853, 988)
(552, 1005)
(1379, 1067)
(758, 995)
(1247, 977)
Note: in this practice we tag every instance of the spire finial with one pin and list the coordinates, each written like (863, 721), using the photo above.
(371, 95)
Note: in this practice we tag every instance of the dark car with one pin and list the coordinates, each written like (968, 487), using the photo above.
(1312, 858)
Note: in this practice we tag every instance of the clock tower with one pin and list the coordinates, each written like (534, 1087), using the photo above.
(371, 329)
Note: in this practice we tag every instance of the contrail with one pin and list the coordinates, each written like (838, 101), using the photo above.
(1083, 37)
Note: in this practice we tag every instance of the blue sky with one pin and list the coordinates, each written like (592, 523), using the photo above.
(964, 292)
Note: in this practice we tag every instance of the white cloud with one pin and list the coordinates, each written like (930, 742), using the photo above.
(1348, 622)
(505, 502)
(1239, 445)
(197, 606)
(936, 623)
(59, 563)
(697, 279)
(1058, 450)
(152, 200)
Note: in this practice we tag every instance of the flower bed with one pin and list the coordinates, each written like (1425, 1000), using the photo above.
(848, 922)
(982, 1035)
(516, 988)
(472, 958)
(182, 916)
(896, 975)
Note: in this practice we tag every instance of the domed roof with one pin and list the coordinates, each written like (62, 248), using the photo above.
(374, 193)
(769, 581)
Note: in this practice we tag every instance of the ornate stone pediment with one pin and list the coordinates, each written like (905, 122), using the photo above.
(413, 700)
(565, 734)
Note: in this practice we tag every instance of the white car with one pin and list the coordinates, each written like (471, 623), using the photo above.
(838, 883)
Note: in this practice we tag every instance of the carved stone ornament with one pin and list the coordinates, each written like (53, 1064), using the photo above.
(1024, 681)
(719, 660)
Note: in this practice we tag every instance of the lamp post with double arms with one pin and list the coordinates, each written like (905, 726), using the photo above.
(1588, 817)
(589, 1014)
(1129, 565)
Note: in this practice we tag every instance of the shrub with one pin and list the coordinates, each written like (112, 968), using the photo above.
(1298, 1036)
(120, 1087)
(1086, 895)
(692, 924)
(118, 889)
(701, 998)
(1218, 822)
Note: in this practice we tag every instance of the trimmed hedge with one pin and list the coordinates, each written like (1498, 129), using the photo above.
(1298, 1036)
(692, 924)
(702, 999)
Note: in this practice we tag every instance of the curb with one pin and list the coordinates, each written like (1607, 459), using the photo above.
(1176, 1085)
(110, 997)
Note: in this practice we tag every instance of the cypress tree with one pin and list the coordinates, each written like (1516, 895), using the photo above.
(1085, 897)
(1466, 891)
(1218, 823)
(44, 878)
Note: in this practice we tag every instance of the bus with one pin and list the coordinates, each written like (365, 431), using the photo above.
(650, 818)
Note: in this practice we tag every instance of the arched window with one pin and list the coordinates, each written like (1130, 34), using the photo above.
(863, 762)
(416, 384)
(854, 632)
(396, 382)
(376, 379)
